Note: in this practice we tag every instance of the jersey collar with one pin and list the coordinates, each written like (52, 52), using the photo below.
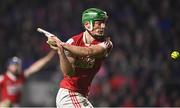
(84, 39)
(11, 76)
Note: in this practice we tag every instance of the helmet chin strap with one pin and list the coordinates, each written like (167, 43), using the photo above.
(91, 26)
(90, 29)
(95, 36)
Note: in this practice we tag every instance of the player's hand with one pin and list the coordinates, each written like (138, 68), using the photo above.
(5, 104)
(55, 42)
(52, 43)
(108, 42)
(60, 50)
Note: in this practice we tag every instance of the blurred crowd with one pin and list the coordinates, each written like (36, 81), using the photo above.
(139, 70)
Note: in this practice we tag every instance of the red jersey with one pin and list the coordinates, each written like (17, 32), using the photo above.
(85, 68)
(11, 87)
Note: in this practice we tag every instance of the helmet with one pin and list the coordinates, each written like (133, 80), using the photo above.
(14, 65)
(93, 14)
(15, 60)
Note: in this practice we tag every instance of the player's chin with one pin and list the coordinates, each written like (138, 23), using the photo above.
(101, 32)
(101, 35)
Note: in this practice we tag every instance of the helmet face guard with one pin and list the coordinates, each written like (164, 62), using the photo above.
(93, 14)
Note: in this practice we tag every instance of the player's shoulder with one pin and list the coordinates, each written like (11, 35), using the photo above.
(75, 38)
(1, 78)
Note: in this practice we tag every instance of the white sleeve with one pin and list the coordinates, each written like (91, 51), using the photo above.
(69, 41)
(1, 78)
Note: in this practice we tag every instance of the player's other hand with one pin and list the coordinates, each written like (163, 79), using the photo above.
(108, 42)
(54, 42)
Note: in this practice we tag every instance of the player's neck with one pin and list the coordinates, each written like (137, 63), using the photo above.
(88, 37)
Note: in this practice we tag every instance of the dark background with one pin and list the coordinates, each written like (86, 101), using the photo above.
(138, 72)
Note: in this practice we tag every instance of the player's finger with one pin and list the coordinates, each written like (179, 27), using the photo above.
(53, 47)
(51, 38)
(52, 43)
(55, 38)
(59, 42)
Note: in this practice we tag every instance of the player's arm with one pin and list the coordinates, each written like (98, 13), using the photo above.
(99, 50)
(66, 62)
(35, 67)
